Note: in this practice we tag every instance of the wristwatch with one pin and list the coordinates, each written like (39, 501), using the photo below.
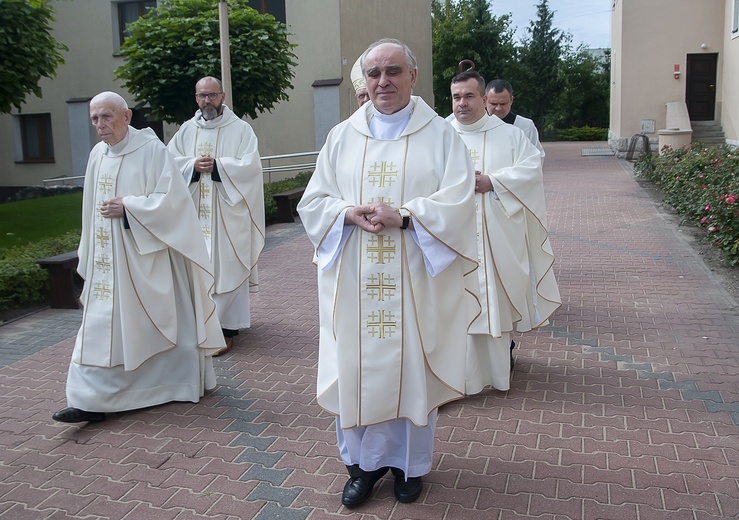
(406, 216)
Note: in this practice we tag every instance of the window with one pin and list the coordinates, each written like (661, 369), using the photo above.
(130, 12)
(140, 119)
(35, 136)
(274, 7)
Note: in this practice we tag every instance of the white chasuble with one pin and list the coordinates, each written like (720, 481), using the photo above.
(517, 284)
(146, 286)
(392, 336)
(231, 211)
(496, 308)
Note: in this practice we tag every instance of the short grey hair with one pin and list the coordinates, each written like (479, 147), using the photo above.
(410, 59)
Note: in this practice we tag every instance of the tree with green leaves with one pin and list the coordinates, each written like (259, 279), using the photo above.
(466, 29)
(177, 43)
(540, 80)
(585, 95)
(29, 51)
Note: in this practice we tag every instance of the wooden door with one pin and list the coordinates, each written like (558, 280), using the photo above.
(700, 86)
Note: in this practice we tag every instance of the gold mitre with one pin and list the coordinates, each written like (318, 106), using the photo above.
(357, 77)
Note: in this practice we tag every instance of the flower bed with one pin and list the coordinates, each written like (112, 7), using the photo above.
(703, 187)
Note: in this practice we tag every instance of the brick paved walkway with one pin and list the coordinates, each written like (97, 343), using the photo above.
(626, 407)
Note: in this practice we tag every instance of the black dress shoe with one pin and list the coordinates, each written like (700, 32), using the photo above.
(513, 361)
(359, 486)
(406, 491)
(72, 415)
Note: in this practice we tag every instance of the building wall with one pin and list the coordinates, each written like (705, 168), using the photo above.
(366, 21)
(330, 35)
(649, 39)
(730, 105)
(314, 27)
(616, 67)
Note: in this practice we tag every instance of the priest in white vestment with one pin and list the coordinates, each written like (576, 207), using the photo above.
(516, 278)
(217, 153)
(390, 212)
(149, 327)
(499, 96)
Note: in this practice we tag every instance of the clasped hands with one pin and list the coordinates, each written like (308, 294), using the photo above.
(374, 217)
(204, 164)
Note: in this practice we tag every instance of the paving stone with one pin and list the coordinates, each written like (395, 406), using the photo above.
(625, 406)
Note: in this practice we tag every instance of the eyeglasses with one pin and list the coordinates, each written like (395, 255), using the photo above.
(212, 96)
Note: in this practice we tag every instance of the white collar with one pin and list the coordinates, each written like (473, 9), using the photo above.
(474, 127)
(115, 149)
(390, 126)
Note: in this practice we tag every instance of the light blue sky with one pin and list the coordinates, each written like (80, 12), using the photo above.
(589, 21)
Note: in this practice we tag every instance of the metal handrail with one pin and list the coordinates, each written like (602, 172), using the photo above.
(63, 179)
(289, 155)
(288, 167)
(268, 169)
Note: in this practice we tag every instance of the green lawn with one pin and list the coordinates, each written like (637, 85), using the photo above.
(27, 221)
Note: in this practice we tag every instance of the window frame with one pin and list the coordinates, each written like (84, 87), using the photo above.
(120, 26)
(263, 7)
(44, 135)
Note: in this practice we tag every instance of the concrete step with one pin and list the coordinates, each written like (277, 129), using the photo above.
(710, 140)
(707, 132)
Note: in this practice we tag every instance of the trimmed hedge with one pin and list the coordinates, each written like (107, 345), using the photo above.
(270, 206)
(22, 281)
(583, 133)
(703, 187)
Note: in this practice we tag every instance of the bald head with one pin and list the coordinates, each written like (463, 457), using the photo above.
(110, 116)
(111, 99)
(211, 81)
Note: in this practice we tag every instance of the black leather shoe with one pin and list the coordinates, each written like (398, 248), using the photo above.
(513, 361)
(72, 415)
(406, 491)
(358, 488)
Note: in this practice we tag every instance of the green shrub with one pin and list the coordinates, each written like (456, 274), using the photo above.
(583, 133)
(703, 187)
(270, 207)
(22, 281)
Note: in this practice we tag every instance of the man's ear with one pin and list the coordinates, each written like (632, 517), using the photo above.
(127, 115)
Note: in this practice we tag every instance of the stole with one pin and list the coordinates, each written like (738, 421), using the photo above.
(381, 291)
